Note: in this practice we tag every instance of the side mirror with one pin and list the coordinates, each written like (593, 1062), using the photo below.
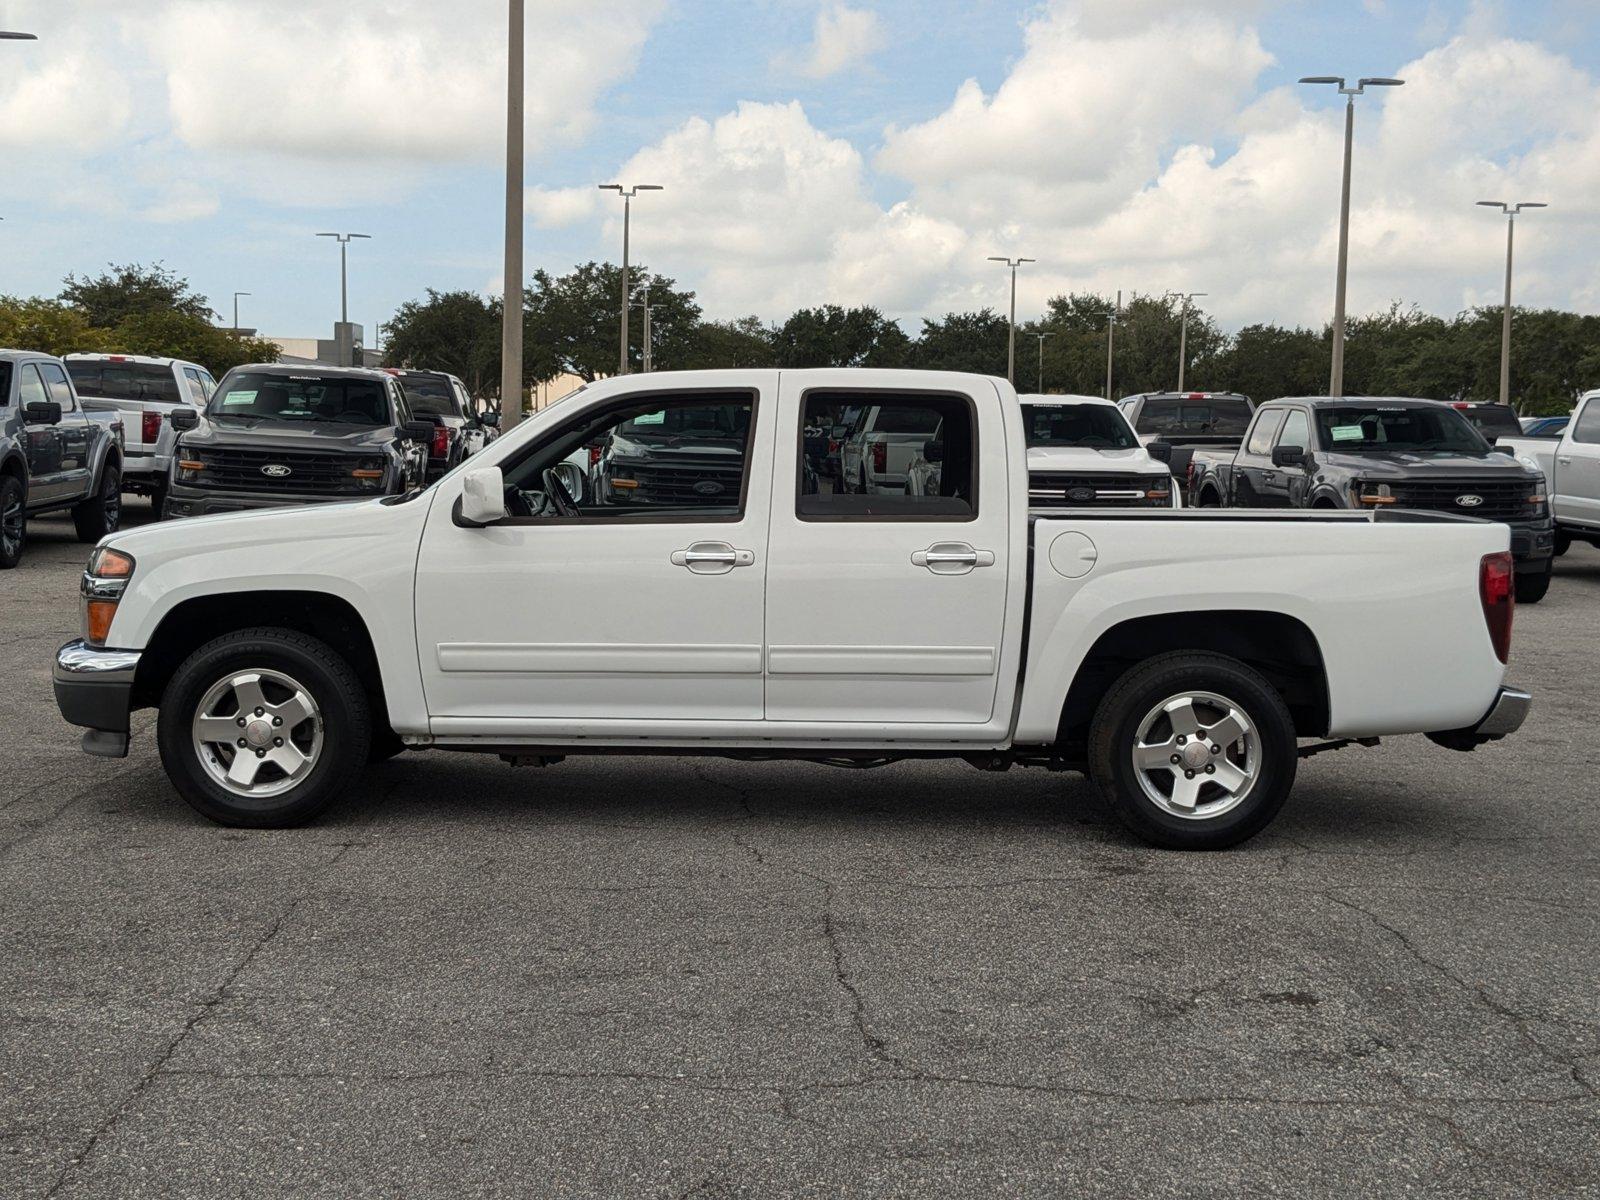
(1161, 451)
(483, 498)
(183, 418)
(489, 419)
(418, 431)
(933, 451)
(571, 477)
(1288, 456)
(42, 412)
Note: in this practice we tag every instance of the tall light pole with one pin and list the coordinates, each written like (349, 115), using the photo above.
(627, 195)
(1011, 341)
(1511, 211)
(511, 306)
(1041, 337)
(1111, 339)
(236, 296)
(645, 305)
(18, 37)
(344, 240)
(1336, 376)
(1183, 329)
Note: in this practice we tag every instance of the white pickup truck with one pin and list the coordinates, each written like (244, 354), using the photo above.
(1082, 453)
(1571, 466)
(755, 612)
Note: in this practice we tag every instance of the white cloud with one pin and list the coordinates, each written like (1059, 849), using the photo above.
(71, 100)
(843, 37)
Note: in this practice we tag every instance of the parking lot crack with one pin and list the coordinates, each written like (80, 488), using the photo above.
(203, 1010)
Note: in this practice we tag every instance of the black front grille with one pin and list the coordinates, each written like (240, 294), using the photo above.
(294, 472)
(686, 484)
(1498, 500)
(1060, 488)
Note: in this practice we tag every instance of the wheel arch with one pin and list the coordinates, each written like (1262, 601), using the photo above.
(1280, 646)
(15, 464)
(196, 621)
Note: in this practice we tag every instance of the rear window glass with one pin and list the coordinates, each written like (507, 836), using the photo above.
(123, 381)
(1493, 420)
(1215, 416)
(430, 396)
(302, 398)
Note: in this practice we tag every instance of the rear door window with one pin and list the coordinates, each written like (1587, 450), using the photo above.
(918, 457)
(1587, 428)
(1266, 428)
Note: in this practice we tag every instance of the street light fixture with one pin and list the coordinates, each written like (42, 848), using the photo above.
(1011, 341)
(236, 296)
(1041, 337)
(1183, 329)
(627, 195)
(18, 37)
(511, 306)
(1511, 211)
(1336, 378)
(344, 240)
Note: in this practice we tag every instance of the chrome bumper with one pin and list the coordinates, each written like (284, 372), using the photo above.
(94, 689)
(78, 661)
(1507, 715)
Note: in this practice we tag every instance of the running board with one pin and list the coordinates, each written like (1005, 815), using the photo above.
(1336, 744)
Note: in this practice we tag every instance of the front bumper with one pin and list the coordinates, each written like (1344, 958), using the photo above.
(1533, 544)
(94, 689)
(196, 502)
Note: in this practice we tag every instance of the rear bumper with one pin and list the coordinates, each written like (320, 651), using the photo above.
(94, 689)
(142, 467)
(1505, 716)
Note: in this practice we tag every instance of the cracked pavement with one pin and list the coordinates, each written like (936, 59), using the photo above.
(688, 977)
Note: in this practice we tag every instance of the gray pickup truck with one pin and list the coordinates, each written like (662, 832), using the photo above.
(53, 455)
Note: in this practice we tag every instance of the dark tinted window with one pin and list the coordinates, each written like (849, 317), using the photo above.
(123, 381)
(1266, 428)
(430, 395)
(908, 456)
(1215, 416)
(1296, 430)
(55, 379)
(1587, 430)
(1096, 426)
(298, 398)
(1377, 427)
(682, 457)
(1493, 420)
(5, 383)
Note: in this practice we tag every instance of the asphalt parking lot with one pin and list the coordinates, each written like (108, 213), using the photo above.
(676, 977)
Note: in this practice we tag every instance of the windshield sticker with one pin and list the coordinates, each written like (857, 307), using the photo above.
(655, 418)
(1346, 433)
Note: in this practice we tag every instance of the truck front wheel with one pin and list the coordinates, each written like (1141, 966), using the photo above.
(263, 728)
(1532, 585)
(1193, 751)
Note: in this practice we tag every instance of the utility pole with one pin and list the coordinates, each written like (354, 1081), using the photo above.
(1511, 211)
(511, 306)
(1111, 339)
(1041, 337)
(1336, 376)
(1011, 341)
(627, 195)
(236, 296)
(1183, 330)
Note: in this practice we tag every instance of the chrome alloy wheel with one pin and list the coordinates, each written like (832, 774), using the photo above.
(11, 527)
(258, 733)
(1197, 755)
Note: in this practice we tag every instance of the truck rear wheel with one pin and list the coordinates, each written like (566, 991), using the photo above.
(264, 728)
(13, 521)
(1193, 751)
(101, 511)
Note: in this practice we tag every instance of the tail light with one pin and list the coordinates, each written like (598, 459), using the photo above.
(150, 426)
(880, 456)
(441, 442)
(594, 456)
(1497, 588)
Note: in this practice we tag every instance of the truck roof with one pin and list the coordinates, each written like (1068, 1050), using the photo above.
(373, 373)
(1042, 400)
(1346, 401)
(144, 360)
(18, 355)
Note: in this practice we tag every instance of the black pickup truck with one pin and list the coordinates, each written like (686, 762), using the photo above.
(53, 454)
(276, 435)
(1177, 427)
(1318, 452)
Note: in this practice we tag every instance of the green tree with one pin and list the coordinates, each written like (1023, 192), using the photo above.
(1265, 362)
(743, 342)
(831, 336)
(456, 332)
(970, 341)
(47, 325)
(571, 322)
(110, 298)
(177, 334)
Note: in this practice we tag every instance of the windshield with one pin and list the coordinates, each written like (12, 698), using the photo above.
(104, 380)
(1212, 416)
(1493, 420)
(714, 423)
(302, 398)
(1376, 428)
(1097, 426)
(899, 418)
(429, 395)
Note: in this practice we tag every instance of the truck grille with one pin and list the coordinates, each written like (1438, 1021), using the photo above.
(1500, 500)
(1052, 488)
(687, 484)
(304, 474)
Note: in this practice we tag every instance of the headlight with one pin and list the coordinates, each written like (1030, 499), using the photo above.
(1372, 493)
(102, 588)
(190, 470)
(368, 473)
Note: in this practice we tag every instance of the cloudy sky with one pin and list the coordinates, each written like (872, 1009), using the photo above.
(871, 151)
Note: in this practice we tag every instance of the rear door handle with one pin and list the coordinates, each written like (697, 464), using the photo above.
(951, 558)
(1565, 462)
(712, 558)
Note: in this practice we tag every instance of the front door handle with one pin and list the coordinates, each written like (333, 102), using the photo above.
(712, 558)
(952, 558)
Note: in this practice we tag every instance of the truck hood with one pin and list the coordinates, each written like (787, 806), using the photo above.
(1080, 459)
(246, 434)
(1402, 465)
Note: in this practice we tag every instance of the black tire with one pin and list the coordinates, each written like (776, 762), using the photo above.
(1563, 542)
(346, 726)
(1140, 692)
(386, 744)
(13, 521)
(1531, 587)
(101, 512)
(158, 502)
(1208, 499)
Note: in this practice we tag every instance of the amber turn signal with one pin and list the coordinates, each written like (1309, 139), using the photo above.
(97, 616)
(367, 474)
